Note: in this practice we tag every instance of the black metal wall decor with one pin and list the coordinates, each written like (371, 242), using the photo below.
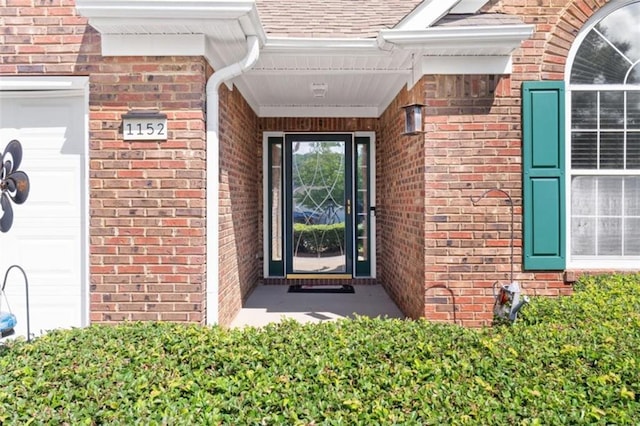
(14, 186)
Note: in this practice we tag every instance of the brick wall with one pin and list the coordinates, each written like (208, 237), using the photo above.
(38, 37)
(147, 227)
(147, 199)
(473, 143)
(400, 208)
(240, 204)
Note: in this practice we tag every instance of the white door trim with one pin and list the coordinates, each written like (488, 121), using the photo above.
(265, 198)
(44, 86)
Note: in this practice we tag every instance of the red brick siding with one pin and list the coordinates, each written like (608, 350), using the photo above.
(146, 199)
(240, 204)
(473, 143)
(400, 208)
(43, 37)
(557, 23)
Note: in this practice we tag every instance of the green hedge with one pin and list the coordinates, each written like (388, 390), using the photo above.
(324, 239)
(318, 238)
(572, 364)
(596, 299)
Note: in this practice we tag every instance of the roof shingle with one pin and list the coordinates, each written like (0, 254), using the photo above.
(332, 18)
(481, 19)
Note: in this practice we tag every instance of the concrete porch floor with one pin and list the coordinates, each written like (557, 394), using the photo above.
(272, 303)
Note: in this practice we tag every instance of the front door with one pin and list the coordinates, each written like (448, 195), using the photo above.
(319, 223)
(318, 188)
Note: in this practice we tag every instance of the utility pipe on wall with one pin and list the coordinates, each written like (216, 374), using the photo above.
(213, 169)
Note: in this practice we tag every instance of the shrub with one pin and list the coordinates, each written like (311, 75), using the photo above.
(324, 239)
(596, 299)
(362, 371)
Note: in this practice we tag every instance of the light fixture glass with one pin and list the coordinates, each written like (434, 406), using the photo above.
(413, 119)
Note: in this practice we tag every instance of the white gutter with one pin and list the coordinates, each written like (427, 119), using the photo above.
(165, 9)
(480, 37)
(213, 169)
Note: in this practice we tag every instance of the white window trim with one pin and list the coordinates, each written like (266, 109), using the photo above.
(591, 262)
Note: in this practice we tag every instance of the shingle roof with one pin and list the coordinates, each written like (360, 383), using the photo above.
(480, 19)
(331, 18)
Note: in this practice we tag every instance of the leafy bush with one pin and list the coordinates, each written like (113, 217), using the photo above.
(362, 371)
(596, 299)
(319, 238)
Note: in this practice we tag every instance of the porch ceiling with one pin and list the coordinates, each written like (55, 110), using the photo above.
(305, 76)
(311, 80)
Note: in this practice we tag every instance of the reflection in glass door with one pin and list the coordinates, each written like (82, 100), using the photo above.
(319, 222)
(319, 207)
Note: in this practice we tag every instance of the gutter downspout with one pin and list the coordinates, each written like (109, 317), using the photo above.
(213, 170)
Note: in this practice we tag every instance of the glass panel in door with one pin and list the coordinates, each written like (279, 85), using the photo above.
(362, 207)
(320, 204)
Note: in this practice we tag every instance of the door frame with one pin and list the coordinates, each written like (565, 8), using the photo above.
(266, 190)
(289, 140)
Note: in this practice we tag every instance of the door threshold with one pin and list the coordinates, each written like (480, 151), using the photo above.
(343, 289)
(319, 276)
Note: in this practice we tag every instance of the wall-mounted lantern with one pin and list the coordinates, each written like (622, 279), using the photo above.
(413, 119)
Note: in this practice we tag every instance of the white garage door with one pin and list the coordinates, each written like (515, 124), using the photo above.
(48, 236)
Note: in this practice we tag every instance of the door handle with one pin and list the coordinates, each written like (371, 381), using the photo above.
(348, 206)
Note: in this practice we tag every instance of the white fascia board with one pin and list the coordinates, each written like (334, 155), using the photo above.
(175, 9)
(319, 111)
(326, 71)
(172, 17)
(295, 45)
(504, 37)
(458, 65)
(426, 14)
(468, 6)
(154, 45)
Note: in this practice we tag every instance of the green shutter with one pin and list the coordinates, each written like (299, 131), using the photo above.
(543, 159)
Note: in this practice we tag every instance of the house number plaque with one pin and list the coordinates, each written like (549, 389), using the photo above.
(144, 126)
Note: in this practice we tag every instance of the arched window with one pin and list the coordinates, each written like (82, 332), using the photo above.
(604, 166)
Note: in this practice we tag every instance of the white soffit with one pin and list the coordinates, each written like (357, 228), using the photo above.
(360, 78)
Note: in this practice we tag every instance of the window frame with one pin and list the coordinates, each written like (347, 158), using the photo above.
(591, 261)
